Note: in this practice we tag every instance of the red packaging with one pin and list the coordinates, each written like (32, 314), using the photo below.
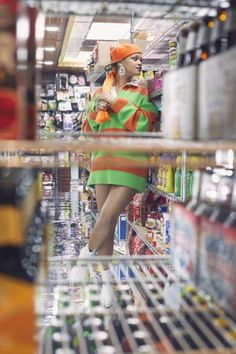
(12, 84)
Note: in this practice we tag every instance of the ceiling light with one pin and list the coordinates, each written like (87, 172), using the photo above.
(49, 49)
(80, 60)
(51, 28)
(39, 54)
(109, 31)
(22, 28)
(48, 62)
(39, 26)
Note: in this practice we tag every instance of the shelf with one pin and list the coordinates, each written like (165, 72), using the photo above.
(169, 196)
(153, 311)
(154, 45)
(158, 9)
(149, 142)
(121, 249)
(156, 94)
(141, 232)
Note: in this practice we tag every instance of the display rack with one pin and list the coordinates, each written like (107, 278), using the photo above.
(149, 142)
(156, 94)
(121, 249)
(170, 8)
(153, 312)
(141, 232)
(170, 196)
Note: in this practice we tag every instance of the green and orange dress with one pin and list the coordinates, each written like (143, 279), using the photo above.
(131, 111)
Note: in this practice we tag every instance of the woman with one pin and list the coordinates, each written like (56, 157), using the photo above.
(119, 106)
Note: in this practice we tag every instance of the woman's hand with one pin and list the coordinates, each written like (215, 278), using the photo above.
(106, 97)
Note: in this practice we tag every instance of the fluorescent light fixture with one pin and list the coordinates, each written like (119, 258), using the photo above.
(80, 60)
(109, 31)
(39, 26)
(22, 54)
(22, 28)
(51, 28)
(49, 49)
(39, 54)
(48, 62)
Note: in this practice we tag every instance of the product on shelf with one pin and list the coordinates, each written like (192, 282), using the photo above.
(179, 94)
(172, 55)
(121, 230)
(153, 311)
(218, 39)
(193, 107)
(204, 243)
(62, 108)
(181, 45)
(13, 109)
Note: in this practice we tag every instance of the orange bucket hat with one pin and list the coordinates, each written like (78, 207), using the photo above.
(123, 51)
(117, 53)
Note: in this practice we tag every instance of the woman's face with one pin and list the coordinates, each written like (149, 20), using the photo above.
(133, 64)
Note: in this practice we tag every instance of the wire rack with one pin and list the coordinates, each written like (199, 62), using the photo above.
(125, 7)
(153, 311)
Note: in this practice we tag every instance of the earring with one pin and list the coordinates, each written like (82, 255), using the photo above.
(121, 70)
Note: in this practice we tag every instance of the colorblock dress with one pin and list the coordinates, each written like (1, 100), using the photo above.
(131, 111)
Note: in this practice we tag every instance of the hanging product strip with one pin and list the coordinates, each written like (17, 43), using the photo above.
(153, 312)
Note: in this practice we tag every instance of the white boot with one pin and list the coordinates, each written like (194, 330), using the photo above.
(107, 294)
(79, 272)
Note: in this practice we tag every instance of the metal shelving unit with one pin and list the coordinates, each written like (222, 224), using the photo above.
(156, 94)
(141, 232)
(153, 312)
(169, 196)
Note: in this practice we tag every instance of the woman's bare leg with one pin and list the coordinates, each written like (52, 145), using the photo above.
(101, 238)
(102, 191)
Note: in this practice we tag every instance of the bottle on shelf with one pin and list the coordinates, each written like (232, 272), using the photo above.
(203, 39)
(182, 40)
(231, 25)
(191, 43)
(208, 193)
(193, 203)
(218, 34)
(223, 200)
(177, 187)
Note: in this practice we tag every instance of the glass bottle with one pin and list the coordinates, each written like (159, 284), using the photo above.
(191, 43)
(218, 33)
(231, 25)
(203, 38)
(181, 48)
(223, 200)
(208, 193)
(193, 203)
